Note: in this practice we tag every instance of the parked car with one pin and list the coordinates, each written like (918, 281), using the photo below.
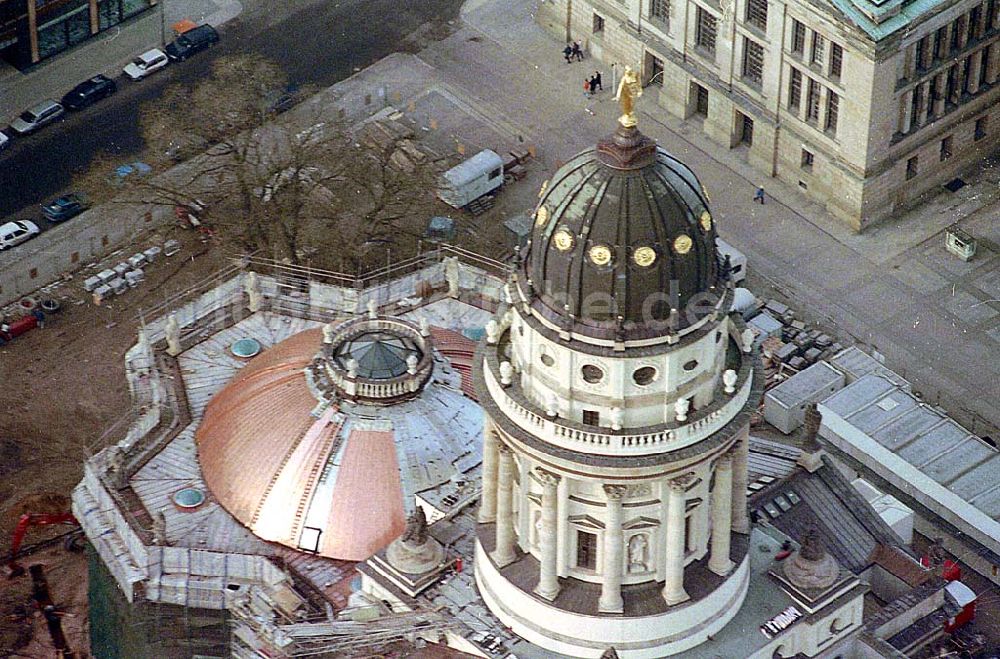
(193, 41)
(65, 207)
(89, 92)
(16, 232)
(36, 117)
(143, 65)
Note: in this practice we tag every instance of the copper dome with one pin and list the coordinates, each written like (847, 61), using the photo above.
(622, 235)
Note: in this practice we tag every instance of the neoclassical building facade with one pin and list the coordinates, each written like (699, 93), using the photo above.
(862, 106)
(617, 390)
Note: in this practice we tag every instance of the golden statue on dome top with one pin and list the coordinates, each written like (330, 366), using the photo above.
(629, 89)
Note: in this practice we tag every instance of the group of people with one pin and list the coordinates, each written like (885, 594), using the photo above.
(572, 52)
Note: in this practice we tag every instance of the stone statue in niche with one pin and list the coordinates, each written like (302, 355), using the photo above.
(451, 275)
(638, 553)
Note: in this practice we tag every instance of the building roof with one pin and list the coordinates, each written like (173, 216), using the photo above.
(294, 470)
(803, 386)
(847, 526)
(920, 451)
(615, 228)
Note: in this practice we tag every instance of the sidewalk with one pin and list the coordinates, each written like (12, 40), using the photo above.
(894, 288)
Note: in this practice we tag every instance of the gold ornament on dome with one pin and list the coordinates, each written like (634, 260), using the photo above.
(541, 215)
(545, 186)
(600, 255)
(706, 220)
(644, 256)
(682, 244)
(563, 240)
(704, 191)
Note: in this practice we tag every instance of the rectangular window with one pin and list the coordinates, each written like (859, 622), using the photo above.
(705, 30)
(659, 10)
(753, 61)
(956, 27)
(746, 129)
(757, 13)
(911, 168)
(807, 160)
(795, 89)
(974, 17)
(586, 550)
(917, 108)
(980, 128)
(798, 37)
(938, 49)
(923, 61)
(832, 109)
(598, 24)
(592, 417)
(818, 48)
(946, 148)
(812, 101)
(836, 60)
(701, 100)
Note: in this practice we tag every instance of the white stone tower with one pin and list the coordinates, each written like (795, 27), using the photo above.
(617, 392)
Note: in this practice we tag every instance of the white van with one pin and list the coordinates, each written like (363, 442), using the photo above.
(737, 261)
(471, 179)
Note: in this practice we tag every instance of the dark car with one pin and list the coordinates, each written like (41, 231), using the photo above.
(65, 207)
(193, 41)
(88, 92)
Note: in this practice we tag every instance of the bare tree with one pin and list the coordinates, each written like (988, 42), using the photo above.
(304, 183)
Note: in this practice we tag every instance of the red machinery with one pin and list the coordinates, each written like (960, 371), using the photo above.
(26, 521)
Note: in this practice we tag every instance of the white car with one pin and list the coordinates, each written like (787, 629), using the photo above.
(36, 117)
(15, 233)
(143, 65)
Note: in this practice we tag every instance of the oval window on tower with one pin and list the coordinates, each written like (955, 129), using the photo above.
(547, 359)
(592, 374)
(691, 365)
(644, 375)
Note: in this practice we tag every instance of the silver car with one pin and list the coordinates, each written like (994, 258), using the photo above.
(37, 116)
(15, 233)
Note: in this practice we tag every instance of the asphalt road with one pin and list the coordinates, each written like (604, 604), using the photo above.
(318, 43)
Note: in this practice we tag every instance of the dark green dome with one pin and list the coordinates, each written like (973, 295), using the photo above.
(622, 235)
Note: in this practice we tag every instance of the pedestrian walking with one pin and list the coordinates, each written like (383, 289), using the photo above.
(759, 195)
(567, 53)
(587, 91)
(596, 81)
(577, 53)
(592, 82)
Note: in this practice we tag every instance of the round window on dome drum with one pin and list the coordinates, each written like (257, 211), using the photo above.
(644, 375)
(691, 365)
(591, 373)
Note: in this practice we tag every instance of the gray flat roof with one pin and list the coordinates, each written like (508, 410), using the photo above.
(925, 447)
(803, 386)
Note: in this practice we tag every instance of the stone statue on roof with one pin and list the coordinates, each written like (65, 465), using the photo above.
(812, 547)
(416, 528)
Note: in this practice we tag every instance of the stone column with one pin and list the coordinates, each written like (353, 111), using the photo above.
(980, 27)
(614, 544)
(975, 64)
(488, 498)
(925, 102)
(673, 588)
(940, 91)
(722, 516)
(992, 62)
(906, 118)
(504, 553)
(741, 520)
(962, 25)
(548, 538)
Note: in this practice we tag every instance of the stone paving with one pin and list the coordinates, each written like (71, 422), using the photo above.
(893, 289)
